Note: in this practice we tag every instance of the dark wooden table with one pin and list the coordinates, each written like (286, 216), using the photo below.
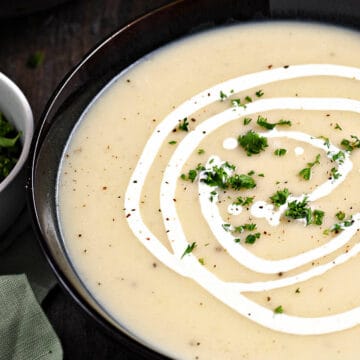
(64, 34)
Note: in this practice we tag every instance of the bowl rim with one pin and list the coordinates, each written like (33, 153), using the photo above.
(27, 135)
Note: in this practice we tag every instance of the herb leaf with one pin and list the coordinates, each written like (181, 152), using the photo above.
(252, 142)
(280, 152)
(350, 145)
(251, 238)
(239, 181)
(340, 215)
(184, 124)
(10, 147)
(317, 217)
(223, 96)
(218, 176)
(299, 210)
(280, 197)
(262, 121)
(189, 249)
(247, 120)
(306, 172)
(243, 202)
(245, 227)
(339, 157)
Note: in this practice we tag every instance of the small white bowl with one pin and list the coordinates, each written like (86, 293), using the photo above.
(15, 107)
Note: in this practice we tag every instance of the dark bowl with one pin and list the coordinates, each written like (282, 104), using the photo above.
(117, 52)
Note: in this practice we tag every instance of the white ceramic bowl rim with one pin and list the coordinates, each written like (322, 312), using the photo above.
(16, 108)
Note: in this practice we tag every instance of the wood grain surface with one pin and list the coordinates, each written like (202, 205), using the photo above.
(64, 34)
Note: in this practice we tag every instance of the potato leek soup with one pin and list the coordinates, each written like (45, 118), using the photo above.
(209, 197)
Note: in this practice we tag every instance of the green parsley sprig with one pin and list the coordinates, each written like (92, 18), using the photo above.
(280, 152)
(243, 201)
(184, 124)
(306, 172)
(189, 249)
(263, 122)
(300, 210)
(280, 197)
(10, 147)
(252, 142)
(350, 145)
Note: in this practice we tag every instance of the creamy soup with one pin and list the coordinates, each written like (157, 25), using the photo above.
(209, 195)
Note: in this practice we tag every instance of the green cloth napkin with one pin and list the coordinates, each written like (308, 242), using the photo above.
(25, 332)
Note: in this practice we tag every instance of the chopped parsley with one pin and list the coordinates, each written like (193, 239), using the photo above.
(243, 201)
(223, 96)
(317, 217)
(300, 210)
(279, 310)
(247, 121)
(280, 197)
(239, 181)
(306, 172)
(212, 194)
(338, 227)
(259, 93)
(340, 215)
(219, 176)
(280, 152)
(263, 122)
(252, 142)
(235, 102)
(246, 227)
(339, 157)
(335, 173)
(350, 145)
(192, 174)
(201, 151)
(10, 147)
(338, 127)
(248, 98)
(226, 227)
(326, 140)
(184, 125)
(251, 238)
(172, 142)
(189, 249)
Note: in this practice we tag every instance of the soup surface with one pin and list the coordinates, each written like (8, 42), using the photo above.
(209, 195)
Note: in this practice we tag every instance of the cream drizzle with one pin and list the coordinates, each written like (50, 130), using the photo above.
(230, 143)
(227, 292)
(299, 151)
